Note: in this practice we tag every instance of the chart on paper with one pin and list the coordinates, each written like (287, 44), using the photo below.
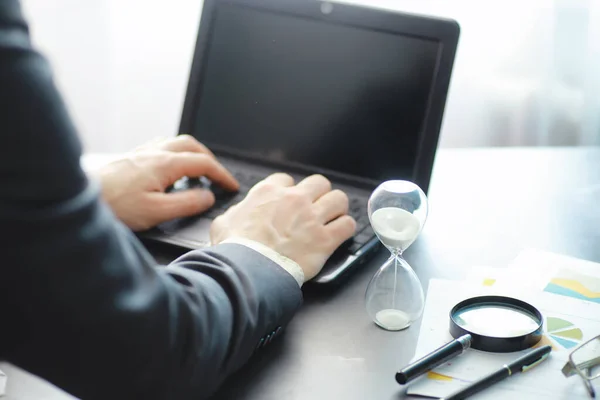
(561, 334)
(545, 272)
(576, 285)
(566, 325)
(556, 274)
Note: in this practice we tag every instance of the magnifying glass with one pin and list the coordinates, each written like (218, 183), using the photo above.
(495, 324)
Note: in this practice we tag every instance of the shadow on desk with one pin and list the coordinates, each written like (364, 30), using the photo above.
(328, 348)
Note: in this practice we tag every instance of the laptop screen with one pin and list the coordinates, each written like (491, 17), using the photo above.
(294, 90)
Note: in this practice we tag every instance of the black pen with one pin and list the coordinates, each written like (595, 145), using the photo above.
(433, 359)
(521, 364)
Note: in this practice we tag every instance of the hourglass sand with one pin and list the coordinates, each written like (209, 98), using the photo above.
(394, 297)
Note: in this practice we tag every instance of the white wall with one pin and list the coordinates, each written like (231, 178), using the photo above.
(74, 34)
(122, 65)
(526, 72)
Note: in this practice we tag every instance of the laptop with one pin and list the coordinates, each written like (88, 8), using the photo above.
(303, 86)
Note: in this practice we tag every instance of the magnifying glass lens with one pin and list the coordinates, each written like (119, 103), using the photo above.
(496, 321)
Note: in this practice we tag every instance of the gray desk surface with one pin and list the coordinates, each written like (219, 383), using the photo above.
(486, 205)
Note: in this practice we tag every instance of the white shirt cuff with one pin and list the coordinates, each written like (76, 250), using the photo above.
(287, 264)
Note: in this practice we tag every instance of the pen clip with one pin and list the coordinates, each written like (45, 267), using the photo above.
(536, 362)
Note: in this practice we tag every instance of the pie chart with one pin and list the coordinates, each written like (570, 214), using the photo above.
(563, 332)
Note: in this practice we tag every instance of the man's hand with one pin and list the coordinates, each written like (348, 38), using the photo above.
(304, 222)
(134, 186)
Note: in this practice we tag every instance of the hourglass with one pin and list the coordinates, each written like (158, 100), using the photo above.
(394, 297)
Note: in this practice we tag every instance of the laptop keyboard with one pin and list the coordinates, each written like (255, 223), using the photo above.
(247, 179)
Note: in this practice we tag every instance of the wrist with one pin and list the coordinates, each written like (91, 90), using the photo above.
(284, 262)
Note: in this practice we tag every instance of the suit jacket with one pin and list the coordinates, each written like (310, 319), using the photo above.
(81, 303)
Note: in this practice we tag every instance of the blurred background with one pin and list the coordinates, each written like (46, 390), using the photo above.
(527, 73)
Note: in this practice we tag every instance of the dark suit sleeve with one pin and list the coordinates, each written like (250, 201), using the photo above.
(81, 304)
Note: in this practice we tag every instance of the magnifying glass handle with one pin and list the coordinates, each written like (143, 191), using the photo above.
(433, 359)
